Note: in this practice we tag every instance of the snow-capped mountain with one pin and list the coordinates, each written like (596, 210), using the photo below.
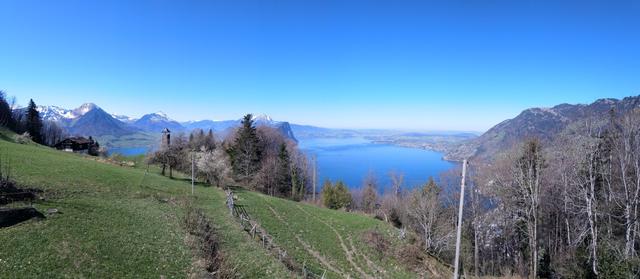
(97, 122)
(86, 120)
(83, 109)
(54, 113)
(124, 118)
(262, 118)
(155, 122)
(90, 120)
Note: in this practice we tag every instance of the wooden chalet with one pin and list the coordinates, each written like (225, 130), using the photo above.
(79, 145)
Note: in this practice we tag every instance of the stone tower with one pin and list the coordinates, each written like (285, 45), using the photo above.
(166, 139)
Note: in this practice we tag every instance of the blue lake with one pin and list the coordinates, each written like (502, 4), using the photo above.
(352, 159)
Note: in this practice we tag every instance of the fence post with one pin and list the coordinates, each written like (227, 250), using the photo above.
(304, 269)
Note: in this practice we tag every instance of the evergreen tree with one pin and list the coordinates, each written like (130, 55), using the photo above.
(342, 195)
(369, 195)
(297, 183)
(6, 115)
(283, 176)
(336, 197)
(34, 122)
(246, 151)
(210, 141)
(328, 195)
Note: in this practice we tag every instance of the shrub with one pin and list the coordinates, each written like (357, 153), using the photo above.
(336, 197)
(23, 138)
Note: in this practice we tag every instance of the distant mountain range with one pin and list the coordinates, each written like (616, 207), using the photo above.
(91, 120)
(545, 124)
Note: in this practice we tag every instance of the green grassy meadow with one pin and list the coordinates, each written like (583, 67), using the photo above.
(121, 222)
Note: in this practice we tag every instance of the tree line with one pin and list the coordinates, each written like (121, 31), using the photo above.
(259, 158)
(565, 208)
(562, 208)
(27, 122)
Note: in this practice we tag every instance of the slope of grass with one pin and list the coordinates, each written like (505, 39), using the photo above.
(118, 222)
(327, 240)
(114, 222)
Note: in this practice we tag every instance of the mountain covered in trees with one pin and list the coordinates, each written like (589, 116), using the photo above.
(545, 124)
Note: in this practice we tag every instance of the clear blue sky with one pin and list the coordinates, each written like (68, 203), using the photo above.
(360, 64)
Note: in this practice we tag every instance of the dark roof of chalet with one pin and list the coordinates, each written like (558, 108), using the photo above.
(78, 140)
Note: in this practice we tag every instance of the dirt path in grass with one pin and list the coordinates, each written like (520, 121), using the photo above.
(373, 266)
(350, 253)
(324, 261)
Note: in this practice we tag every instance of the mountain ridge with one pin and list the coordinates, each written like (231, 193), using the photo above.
(543, 123)
(91, 120)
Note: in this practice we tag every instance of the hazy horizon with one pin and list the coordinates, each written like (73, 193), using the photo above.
(240, 115)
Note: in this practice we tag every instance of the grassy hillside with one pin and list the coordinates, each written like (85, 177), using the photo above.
(114, 222)
(330, 240)
(120, 222)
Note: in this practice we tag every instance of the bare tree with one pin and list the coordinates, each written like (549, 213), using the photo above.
(369, 193)
(519, 189)
(427, 215)
(626, 144)
(397, 179)
(51, 133)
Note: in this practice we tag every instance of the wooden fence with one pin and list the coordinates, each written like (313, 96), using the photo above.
(258, 233)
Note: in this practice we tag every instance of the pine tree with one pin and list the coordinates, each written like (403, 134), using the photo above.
(297, 183)
(369, 196)
(284, 185)
(210, 141)
(34, 122)
(6, 115)
(246, 151)
(328, 195)
(342, 195)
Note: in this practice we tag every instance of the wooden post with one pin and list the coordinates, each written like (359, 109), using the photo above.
(315, 169)
(304, 269)
(230, 201)
(193, 162)
(459, 232)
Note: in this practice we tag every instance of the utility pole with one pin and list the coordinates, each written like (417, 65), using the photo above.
(193, 162)
(459, 232)
(315, 169)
